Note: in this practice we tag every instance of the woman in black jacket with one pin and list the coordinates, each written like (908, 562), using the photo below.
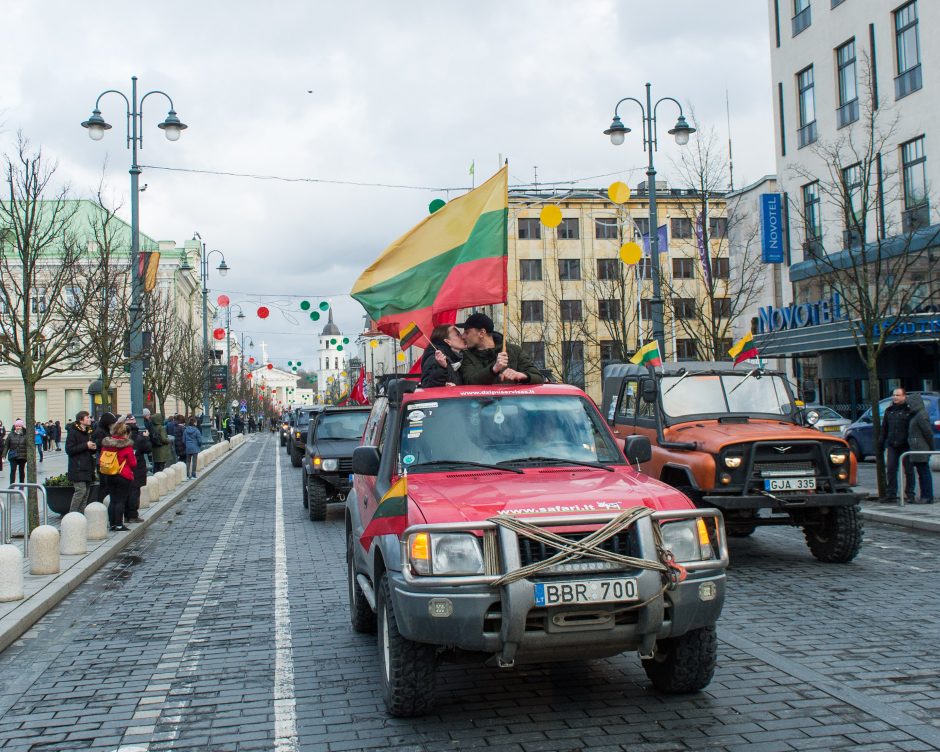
(920, 439)
(142, 447)
(15, 450)
(81, 453)
(446, 340)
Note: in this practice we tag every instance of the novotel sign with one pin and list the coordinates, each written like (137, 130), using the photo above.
(799, 315)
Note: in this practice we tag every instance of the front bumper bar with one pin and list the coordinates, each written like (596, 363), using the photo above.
(783, 502)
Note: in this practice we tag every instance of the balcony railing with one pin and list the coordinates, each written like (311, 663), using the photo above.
(908, 82)
(802, 20)
(807, 134)
(847, 113)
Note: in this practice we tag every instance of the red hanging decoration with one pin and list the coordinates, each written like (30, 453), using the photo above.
(263, 312)
(251, 360)
(249, 375)
(223, 300)
(270, 366)
(218, 333)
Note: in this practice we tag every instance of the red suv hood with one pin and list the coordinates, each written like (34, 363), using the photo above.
(478, 495)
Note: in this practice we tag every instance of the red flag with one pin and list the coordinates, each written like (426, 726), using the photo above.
(358, 393)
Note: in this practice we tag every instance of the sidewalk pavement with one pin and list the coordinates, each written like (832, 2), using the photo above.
(44, 592)
(913, 516)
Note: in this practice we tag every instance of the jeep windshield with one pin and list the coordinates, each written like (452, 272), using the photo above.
(345, 425)
(516, 429)
(720, 394)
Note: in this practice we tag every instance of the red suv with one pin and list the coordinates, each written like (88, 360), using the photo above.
(505, 521)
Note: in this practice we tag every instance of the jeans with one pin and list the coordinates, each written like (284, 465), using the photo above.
(892, 460)
(80, 497)
(39, 451)
(191, 465)
(924, 480)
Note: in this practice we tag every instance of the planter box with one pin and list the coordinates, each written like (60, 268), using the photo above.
(59, 498)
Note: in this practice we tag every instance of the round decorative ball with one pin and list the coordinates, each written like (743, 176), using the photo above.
(315, 316)
(223, 300)
(324, 306)
(263, 312)
(436, 204)
(630, 253)
(619, 192)
(304, 305)
(270, 366)
(550, 216)
(218, 333)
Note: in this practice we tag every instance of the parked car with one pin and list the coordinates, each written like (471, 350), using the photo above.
(332, 435)
(861, 433)
(824, 419)
(505, 523)
(297, 437)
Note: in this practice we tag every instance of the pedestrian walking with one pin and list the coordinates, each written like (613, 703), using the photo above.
(81, 457)
(192, 438)
(895, 430)
(57, 436)
(15, 451)
(178, 444)
(117, 462)
(142, 447)
(40, 433)
(162, 446)
(3, 438)
(920, 439)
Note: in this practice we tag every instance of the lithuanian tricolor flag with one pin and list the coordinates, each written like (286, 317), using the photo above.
(648, 354)
(744, 349)
(455, 258)
(391, 517)
(408, 335)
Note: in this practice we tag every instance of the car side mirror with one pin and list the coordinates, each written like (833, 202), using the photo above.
(648, 390)
(365, 460)
(637, 449)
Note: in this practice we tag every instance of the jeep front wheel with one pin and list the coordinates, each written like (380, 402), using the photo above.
(296, 456)
(684, 664)
(835, 536)
(316, 500)
(360, 612)
(303, 483)
(407, 668)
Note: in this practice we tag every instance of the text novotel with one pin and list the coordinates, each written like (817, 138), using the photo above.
(798, 315)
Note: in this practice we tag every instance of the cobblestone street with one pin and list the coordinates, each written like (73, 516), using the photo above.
(224, 630)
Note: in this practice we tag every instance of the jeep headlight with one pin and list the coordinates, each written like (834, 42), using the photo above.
(445, 554)
(812, 417)
(838, 456)
(296, 434)
(688, 540)
(330, 466)
(732, 462)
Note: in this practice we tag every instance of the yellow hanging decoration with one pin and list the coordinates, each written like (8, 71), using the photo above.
(630, 253)
(401, 357)
(618, 193)
(550, 216)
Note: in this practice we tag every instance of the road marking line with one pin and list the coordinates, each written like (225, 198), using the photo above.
(171, 661)
(285, 704)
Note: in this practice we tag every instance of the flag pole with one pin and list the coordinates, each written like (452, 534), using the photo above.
(505, 313)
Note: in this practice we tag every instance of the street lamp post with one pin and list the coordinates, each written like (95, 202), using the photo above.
(172, 128)
(222, 269)
(228, 347)
(681, 130)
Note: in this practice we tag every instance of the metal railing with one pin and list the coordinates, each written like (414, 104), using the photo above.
(6, 512)
(901, 459)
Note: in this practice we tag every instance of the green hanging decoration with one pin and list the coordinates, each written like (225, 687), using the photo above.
(315, 316)
(304, 305)
(324, 306)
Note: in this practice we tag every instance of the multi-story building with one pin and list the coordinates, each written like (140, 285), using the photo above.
(575, 307)
(855, 125)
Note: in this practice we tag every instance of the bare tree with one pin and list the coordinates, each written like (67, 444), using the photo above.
(190, 374)
(166, 346)
(882, 267)
(39, 262)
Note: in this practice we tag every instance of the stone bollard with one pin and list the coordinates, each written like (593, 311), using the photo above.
(169, 481)
(44, 550)
(11, 574)
(145, 495)
(73, 532)
(180, 469)
(96, 514)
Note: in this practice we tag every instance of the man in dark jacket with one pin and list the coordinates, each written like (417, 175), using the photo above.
(920, 439)
(81, 452)
(441, 362)
(485, 363)
(895, 429)
(142, 447)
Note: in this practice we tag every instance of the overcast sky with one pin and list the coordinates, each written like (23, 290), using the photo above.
(405, 93)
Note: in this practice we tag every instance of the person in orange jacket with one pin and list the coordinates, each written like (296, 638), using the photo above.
(120, 484)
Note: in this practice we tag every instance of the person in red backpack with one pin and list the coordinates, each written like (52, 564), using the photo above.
(120, 482)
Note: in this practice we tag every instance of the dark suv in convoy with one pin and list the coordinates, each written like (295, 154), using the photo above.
(297, 438)
(332, 435)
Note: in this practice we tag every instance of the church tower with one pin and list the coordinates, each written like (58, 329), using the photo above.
(332, 360)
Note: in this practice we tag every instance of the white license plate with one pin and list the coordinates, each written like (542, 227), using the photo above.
(585, 591)
(790, 484)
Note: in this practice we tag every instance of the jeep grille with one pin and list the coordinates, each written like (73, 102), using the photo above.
(625, 543)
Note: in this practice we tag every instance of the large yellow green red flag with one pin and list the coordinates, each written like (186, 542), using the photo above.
(455, 258)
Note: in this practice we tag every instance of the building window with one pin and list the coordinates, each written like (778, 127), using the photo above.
(610, 353)
(717, 227)
(536, 351)
(721, 307)
(608, 269)
(684, 308)
(533, 310)
(907, 46)
(642, 225)
(802, 16)
(681, 228)
(805, 85)
(848, 84)
(530, 270)
(914, 164)
(686, 349)
(721, 267)
(646, 309)
(852, 188)
(608, 309)
(569, 270)
(37, 303)
(644, 268)
(683, 268)
(572, 353)
(571, 310)
(530, 229)
(605, 228)
(812, 222)
(569, 229)
(72, 297)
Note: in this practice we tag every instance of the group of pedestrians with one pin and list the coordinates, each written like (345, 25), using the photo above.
(906, 427)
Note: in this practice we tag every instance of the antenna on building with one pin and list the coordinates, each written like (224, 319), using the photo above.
(730, 159)
(536, 183)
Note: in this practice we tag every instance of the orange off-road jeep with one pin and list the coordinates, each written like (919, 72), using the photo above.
(734, 440)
